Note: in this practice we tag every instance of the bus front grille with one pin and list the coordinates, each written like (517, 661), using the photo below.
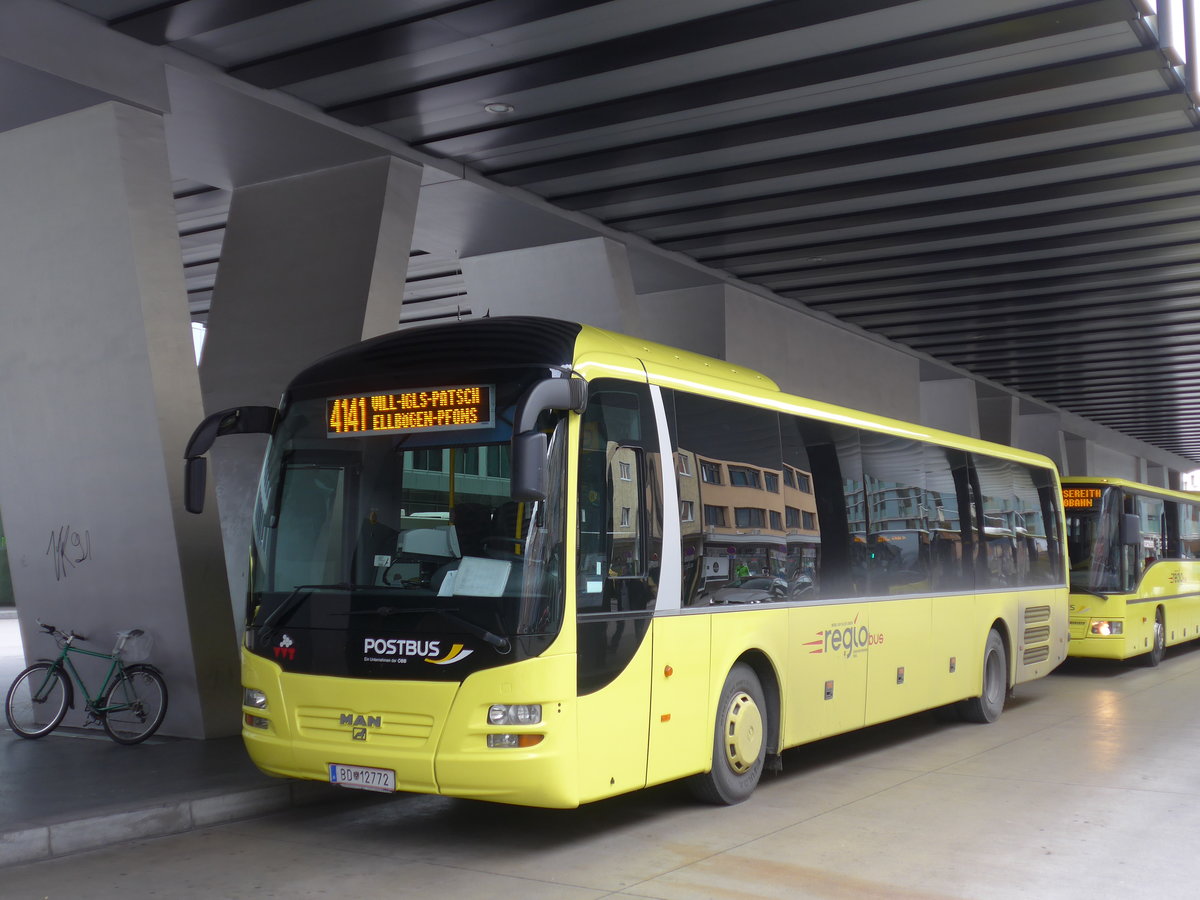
(395, 728)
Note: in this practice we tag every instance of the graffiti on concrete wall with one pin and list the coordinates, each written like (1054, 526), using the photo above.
(68, 549)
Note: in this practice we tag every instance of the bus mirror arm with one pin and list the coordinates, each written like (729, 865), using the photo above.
(238, 420)
(528, 444)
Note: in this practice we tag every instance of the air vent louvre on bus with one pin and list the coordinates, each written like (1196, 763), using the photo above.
(1036, 654)
(1038, 634)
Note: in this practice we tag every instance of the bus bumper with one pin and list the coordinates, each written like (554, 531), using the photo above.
(434, 736)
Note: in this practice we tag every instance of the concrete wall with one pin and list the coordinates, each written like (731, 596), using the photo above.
(100, 394)
(310, 264)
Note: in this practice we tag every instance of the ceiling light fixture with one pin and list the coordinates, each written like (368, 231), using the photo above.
(499, 109)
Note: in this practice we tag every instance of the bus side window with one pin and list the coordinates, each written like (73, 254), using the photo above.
(732, 492)
(1189, 530)
(898, 532)
(619, 529)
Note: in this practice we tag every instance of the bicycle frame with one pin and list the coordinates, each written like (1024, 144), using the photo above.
(92, 703)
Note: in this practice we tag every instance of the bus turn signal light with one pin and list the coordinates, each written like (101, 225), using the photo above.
(500, 741)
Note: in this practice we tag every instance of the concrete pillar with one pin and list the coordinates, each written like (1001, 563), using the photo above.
(585, 281)
(998, 417)
(1076, 461)
(1109, 463)
(310, 264)
(951, 405)
(819, 360)
(1042, 433)
(99, 395)
(6, 594)
(689, 318)
(1155, 474)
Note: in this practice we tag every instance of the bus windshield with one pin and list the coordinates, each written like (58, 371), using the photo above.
(411, 532)
(1093, 544)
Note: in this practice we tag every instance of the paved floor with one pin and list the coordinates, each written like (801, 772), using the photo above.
(75, 790)
(1087, 787)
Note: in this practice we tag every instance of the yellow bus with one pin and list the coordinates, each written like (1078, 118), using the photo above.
(1135, 568)
(531, 561)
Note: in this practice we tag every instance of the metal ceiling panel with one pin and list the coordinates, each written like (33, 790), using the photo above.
(1009, 186)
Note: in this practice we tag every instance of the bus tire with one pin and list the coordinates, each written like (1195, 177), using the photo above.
(990, 702)
(739, 741)
(1159, 648)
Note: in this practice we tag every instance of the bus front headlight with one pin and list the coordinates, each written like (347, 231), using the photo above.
(1105, 628)
(515, 714)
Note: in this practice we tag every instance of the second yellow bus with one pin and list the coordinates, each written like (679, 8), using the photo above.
(1135, 568)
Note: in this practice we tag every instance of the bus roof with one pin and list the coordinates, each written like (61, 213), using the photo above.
(682, 369)
(1134, 486)
(541, 341)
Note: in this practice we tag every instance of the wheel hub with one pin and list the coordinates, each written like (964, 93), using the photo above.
(743, 733)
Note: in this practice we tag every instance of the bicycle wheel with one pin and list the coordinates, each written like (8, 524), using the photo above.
(134, 704)
(37, 700)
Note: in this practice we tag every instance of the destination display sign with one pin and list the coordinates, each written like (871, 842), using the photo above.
(403, 412)
(1081, 498)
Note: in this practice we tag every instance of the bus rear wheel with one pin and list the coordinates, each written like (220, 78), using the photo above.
(739, 741)
(1159, 648)
(990, 702)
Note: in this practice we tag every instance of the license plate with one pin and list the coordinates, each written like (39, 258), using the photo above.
(362, 778)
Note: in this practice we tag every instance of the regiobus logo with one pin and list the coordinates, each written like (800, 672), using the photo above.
(846, 638)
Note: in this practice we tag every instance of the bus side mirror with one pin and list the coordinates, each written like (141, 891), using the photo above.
(528, 444)
(195, 479)
(238, 420)
(1131, 530)
(529, 466)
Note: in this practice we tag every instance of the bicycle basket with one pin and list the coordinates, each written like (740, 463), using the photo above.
(134, 645)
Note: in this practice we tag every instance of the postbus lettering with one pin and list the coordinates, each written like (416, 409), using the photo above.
(400, 647)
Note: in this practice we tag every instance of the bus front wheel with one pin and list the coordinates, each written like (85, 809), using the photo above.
(990, 702)
(739, 741)
(1159, 649)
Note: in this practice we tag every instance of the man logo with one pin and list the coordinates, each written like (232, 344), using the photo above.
(359, 724)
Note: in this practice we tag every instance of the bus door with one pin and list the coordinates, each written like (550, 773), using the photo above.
(619, 522)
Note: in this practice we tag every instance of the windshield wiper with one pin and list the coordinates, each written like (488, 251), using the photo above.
(1076, 589)
(293, 600)
(502, 644)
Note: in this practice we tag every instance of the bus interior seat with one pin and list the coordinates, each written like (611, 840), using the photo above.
(473, 524)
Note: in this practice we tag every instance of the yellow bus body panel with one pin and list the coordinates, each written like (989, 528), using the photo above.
(432, 734)
(825, 686)
(680, 697)
(1171, 585)
(614, 731)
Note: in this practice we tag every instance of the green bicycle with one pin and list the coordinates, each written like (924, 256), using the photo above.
(130, 703)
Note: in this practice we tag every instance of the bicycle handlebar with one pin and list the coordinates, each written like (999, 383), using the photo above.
(54, 630)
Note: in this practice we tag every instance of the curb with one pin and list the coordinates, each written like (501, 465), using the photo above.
(45, 842)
